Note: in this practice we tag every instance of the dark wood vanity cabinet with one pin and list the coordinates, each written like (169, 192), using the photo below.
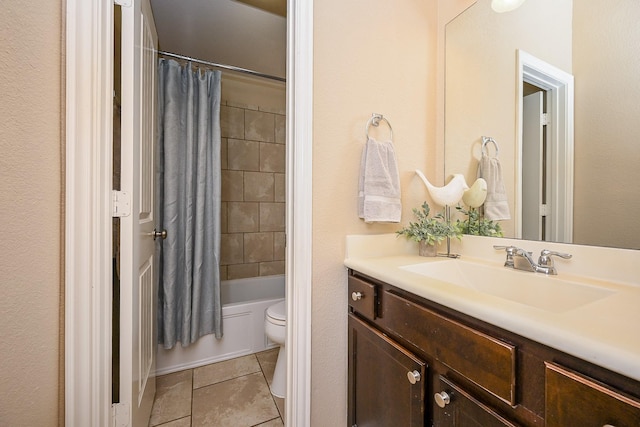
(413, 362)
(456, 407)
(386, 380)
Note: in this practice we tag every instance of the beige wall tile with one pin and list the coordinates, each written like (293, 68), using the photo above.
(224, 153)
(279, 249)
(259, 126)
(232, 186)
(271, 267)
(231, 249)
(281, 130)
(273, 109)
(244, 155)
(253, 162)
(244, 217)
(242, 271)
(224, 217)
(258, 247)
(223, 272)
(272, 157)
(232, 122)
(280, 187)
(272, 216)
(258, 187)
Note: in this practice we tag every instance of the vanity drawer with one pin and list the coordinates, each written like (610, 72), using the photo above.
(572, 399)
(363, 297)
(486, 361)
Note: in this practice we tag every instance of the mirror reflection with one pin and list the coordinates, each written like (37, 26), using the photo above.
(578, 66)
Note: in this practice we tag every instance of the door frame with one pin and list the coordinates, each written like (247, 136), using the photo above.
(560, 89)
(88, 193)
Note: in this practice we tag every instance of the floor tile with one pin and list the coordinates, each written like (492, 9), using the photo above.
(173, 397)
(241, 402)
(280, 405)
(273, 423)
(223, 371)
(182, 422)
(267, 360)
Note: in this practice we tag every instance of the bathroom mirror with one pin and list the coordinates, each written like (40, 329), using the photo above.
(595, 41)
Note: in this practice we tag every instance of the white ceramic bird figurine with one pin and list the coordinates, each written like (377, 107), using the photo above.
(448, 195)
(476, 194)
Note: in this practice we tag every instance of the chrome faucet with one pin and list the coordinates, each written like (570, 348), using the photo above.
(520, 259)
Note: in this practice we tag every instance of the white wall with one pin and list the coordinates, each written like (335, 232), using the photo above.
(30, 211)
(369, 56)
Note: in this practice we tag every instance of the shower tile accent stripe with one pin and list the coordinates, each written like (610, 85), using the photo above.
(253, 191)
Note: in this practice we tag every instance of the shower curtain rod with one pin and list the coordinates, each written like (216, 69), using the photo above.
(224, 66)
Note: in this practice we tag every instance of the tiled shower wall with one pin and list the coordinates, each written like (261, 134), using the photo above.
(253, 192)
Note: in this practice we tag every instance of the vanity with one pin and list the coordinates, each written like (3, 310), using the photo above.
(428, 348)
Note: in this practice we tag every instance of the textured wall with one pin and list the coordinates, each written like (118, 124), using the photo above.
(607, 125)
(381, 60)
(30, 210)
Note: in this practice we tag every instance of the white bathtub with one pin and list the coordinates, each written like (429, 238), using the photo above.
(244, 303)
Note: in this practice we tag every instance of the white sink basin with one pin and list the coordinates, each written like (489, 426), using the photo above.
(550, 293)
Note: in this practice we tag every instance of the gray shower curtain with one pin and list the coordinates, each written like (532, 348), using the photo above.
(188, 194)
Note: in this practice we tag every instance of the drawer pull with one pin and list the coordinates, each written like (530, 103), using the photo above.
(356, 296)
(413, 377)
(442, 399)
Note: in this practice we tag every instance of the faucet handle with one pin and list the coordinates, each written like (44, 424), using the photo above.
(510, 250)
(545, 259)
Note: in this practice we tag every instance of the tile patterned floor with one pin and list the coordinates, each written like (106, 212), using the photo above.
(232, 393)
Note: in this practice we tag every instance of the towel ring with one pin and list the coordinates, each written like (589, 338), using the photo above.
(485, 141)
(375, 121)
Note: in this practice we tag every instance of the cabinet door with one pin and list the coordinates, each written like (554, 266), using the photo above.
(386, 382)
(452, 406)
(573, 399)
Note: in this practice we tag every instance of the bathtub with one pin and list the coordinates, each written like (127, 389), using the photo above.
(244, 303)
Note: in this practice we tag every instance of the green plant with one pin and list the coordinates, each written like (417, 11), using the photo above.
(431, 230)
(477, 225)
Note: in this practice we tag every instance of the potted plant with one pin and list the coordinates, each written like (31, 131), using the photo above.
(477, 225)
(429, 231)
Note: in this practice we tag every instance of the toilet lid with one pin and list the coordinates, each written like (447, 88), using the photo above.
(277, 311)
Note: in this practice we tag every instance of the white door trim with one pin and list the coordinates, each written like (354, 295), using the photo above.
(299, 210)
(89, 103)
(560, 86)
(89, 89)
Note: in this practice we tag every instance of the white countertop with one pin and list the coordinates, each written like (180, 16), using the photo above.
(605, 332)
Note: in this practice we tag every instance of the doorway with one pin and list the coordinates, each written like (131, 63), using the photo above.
(89, 105)
(544, 166)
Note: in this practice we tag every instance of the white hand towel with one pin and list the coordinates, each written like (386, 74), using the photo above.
(379, 183)
(496, 205)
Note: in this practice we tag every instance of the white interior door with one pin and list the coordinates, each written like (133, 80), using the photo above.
(137, 267)
(532, 167)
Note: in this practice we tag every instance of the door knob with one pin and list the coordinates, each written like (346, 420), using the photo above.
(442, 399)
(413, 377)
(356, 296)
(157, 234)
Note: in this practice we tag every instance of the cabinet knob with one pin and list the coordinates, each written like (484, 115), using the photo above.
(413, 377)
(356, 296)
(442, 399)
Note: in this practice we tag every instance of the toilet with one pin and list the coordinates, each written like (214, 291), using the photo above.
(275, 329)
